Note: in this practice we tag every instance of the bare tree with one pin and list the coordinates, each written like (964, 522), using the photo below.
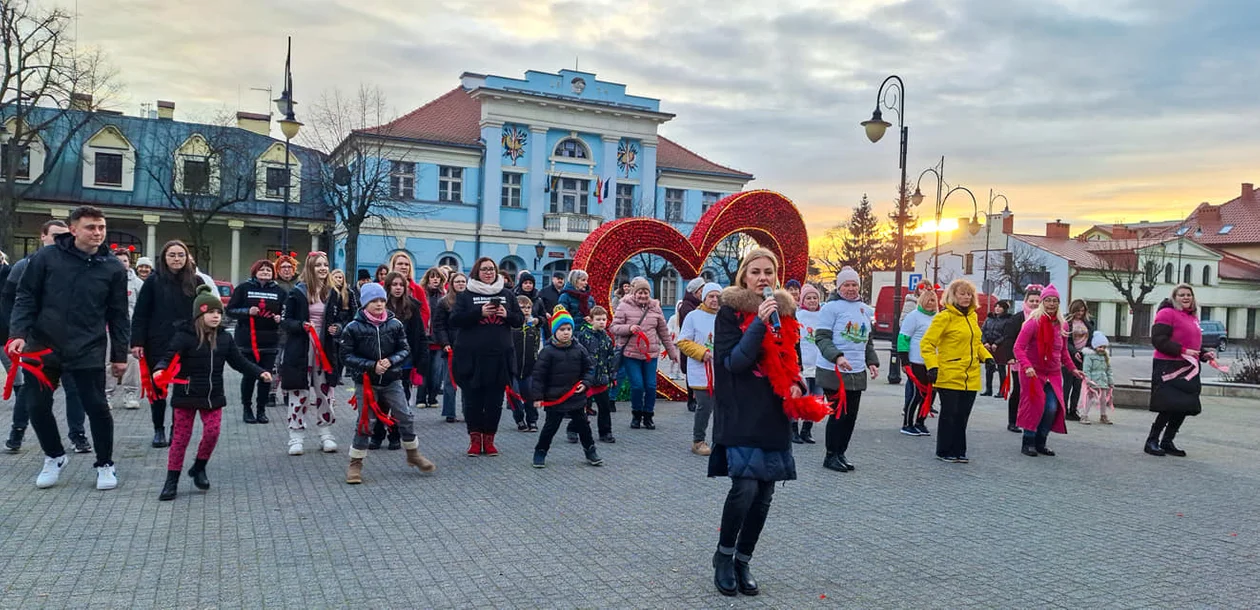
(1132, 267)
(726, 256)
(1022, 266)
(827, 254)
(369, 175)
(49, 91)
(201, 172)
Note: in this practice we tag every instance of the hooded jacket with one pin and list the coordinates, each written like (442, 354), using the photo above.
(953, 347)
(67, 299)
(599, 344)
(573, 300)
(558, 369)
(202, 367)
(268, 297)
(364, 343)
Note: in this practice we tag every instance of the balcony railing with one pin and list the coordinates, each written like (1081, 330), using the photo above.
(570, 227)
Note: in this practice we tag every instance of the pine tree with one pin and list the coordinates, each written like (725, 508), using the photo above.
(861, 243)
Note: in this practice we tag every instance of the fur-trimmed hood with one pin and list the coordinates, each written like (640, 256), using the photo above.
(747, 301)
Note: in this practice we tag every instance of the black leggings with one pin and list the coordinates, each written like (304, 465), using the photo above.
(1012, 403)
(744, 515)
(1071, 391)
(482, 409)
(265, 362)
(157, 408)
(840, 429)
(1169, 424)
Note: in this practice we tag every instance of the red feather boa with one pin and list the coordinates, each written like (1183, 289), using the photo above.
(780, 365)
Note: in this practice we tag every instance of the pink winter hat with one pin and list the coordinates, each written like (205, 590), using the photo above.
(1050, 291)
(809, 289)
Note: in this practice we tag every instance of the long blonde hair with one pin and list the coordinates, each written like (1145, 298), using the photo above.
(343, 291)
(1041, 311)
(316, 289)
(753, 255)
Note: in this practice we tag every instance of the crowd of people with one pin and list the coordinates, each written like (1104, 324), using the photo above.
(76, 315)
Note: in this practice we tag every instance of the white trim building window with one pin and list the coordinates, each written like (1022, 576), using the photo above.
(109, 160)
(674, 199)
(402, 180)
(625, 200)
(571, 148)
(450, 184)
(23, 170)
(707, 199)
(275, 181)
(511, 195)
(667, 290)
(571, 196)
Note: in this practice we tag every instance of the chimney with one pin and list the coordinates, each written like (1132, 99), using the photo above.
(1122, 232)
(166, 110)
(81, 101)
(1008, 223)
(1058, 230)
(1209, 214)
(252, 121)
(1248, 192)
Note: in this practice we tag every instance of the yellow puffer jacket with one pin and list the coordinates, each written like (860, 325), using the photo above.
(952, 346)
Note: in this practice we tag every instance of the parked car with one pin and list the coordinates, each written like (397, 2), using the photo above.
(884, 309)
(1213, 334)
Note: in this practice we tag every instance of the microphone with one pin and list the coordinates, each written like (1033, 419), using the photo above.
(768, 293)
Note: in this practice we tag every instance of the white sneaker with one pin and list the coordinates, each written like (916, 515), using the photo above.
(131, 404)
(295, 442)
(51, 472)
(327, 444)
(106, 478)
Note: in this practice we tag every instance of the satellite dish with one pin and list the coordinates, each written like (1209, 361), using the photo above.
(341, 176)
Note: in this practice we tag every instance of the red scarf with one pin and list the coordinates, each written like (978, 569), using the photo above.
(1046, 332)
(779, 364)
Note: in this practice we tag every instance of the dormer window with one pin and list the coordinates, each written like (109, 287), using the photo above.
(109, 160)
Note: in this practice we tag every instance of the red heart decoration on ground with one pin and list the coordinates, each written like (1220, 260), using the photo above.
(769, 218)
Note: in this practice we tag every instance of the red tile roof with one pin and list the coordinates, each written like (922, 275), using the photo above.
(455, 118)
(1242, 214)
(1093, 254)
(1234, 267)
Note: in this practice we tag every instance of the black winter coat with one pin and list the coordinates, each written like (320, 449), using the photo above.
(162, 309)
(269, 298)
(994, 329)
(747, 412)
(443, 334)
(8, 295)
(417, 339)
(599, 344)
(1010, 332)
(549, 297)
(558, 369)
(297, 312)
(364, 343)
(68, 300)
(526, 342)
(202, 368)
(483, 349)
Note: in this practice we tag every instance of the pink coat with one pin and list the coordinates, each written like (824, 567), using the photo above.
(654, 326)
(1032, 398)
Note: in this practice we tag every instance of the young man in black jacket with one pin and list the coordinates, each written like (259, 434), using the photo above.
(69, 297)
(374, 349)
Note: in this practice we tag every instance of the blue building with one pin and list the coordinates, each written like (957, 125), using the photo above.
(152, 175)
(522, 170)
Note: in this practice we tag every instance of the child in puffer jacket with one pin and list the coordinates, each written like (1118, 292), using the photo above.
(1098, 379)
(561, 378)
(526, 341)
(598, 342)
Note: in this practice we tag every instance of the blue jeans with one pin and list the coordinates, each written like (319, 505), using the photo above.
(448, 388)
(642, 376)
(436, 376)
(1047, 419)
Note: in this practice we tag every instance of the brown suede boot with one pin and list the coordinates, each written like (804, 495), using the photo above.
(415, 459)
(354, 475)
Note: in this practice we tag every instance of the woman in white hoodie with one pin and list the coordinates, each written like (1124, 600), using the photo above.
(695, 341)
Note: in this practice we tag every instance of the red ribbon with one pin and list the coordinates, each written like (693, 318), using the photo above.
(708, 371)
(146, 382)
(1006, 383)
(512, 396)
(450, 368)
(641, 338)
(369, 397)
(164, 378)
(253, 331)
(36, 369)
(567, 395)
(841, 399)
(320, 357)
(924, 388)
(597, 390)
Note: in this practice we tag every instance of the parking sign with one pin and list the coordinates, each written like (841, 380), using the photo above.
(914, 280)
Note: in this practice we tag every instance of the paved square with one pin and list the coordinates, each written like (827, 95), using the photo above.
(1100, 526)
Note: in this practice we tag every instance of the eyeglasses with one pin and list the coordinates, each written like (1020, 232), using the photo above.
(486, 269)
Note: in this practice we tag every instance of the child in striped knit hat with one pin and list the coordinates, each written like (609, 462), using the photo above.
(562, 375)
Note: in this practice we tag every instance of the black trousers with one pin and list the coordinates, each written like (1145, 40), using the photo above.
(1169, 424)
(990, 368)
(840, 429)
(951, 431)
(603, 410)
(552, 425)
(1071, 391)
(744, 515)
(89, 385)
(482, 409)
(267, 358)
(1012, 402)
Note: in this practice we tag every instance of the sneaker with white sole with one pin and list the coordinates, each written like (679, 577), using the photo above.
(106, 477)
(51, 472)
(327, 443)
(131, 404)
(295, 442)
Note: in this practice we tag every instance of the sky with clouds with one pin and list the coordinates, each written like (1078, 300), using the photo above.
(1092, 111)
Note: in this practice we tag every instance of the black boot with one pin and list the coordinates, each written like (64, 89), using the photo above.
(844, 461)
(171, 487)
(1072, 415)
(1153, 448)
(647, 421)
(636, 420)
(261, 417)
(1043, 450)
(807, 433)
(249, 415)
(159, 439)
(14, 444)
(796, 433)
(743, 577)
(832, 462)
(1171, 449)
(724, 574)
(1027, 449)
(198, 474)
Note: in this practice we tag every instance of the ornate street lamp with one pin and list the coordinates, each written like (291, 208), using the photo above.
(988, 230)
(891, 95)
(973, 227)
(289, 126)
(539, 250)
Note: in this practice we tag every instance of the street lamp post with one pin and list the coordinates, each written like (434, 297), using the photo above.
(988, 230)
(917, 198)
(289, 127)
(891, 95)
(539, 249)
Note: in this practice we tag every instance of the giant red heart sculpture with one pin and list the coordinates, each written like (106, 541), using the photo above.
(767, 217)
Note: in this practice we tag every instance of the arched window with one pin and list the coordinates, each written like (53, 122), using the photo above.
(1187, 275)
(572, 148)
(1207, 275)
(1168, 273)
(510, 265)
(450, 260)
(562, 266)
(667, 289)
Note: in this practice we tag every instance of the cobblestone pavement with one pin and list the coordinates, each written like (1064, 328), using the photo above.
(1100, 526)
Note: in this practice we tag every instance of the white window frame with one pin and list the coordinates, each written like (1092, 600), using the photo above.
(278, 195)
(25, 155)
(98, 143)
(707, 199)
(402, 180)
(667, 286)
(587, 158)
(680, 202)
(512, 193)
(450, 184)
(35, 152)
(578, 189)
(625, 198)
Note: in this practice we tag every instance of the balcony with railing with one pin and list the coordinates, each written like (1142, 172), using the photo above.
(570, 227)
